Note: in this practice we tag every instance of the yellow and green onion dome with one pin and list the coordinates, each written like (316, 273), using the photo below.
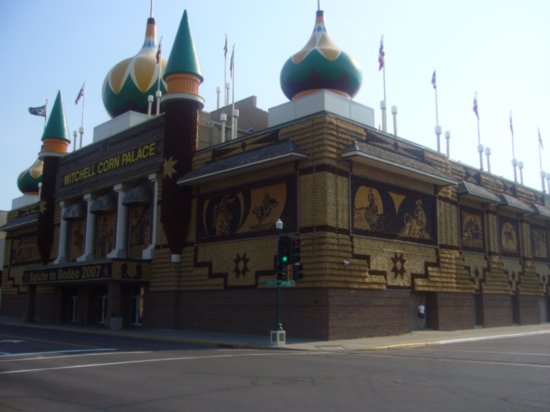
(29, 179)
(131, 81)
(320, 65)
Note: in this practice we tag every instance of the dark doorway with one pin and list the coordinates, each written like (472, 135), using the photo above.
(478, 305)
(515, 309)
(432, 316)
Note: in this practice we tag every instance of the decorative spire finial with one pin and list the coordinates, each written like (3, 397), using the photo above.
(151, 9)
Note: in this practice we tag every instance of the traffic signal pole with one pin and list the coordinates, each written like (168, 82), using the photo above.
(278, 335)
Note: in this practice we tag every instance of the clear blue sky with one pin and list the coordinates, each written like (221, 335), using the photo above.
(498, 48)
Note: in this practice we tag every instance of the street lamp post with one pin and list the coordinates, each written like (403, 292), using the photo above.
(278, 335)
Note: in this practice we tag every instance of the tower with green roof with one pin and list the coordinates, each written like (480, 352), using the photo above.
(55, 142)
(182, 104)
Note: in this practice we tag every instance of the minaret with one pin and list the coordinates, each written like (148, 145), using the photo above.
(182, 105)
(320, 65)
(55, 143)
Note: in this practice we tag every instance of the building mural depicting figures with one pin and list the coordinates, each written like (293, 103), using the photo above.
(392, 212)
(246, 211)
(472, 230)
(168, 219)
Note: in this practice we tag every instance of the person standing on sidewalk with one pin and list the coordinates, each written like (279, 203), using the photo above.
(421, 312)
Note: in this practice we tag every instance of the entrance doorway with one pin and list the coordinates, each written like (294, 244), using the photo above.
(102, 308)
(137, 305)
(73, 307)
(515, 309)
(478, 306)
(416, 300)
(543, 309)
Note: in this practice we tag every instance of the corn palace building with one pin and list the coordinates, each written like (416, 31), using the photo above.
(168, 219)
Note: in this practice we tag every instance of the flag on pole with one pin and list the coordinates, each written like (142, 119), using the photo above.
(232, 63)
(540, 139)
(381, 54)
(38, 111)
(475, 106)
(434, 84)
(225, 48)
(80, 93)
(511, 125)
(159, 51)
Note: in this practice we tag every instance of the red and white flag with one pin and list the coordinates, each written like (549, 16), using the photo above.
(232, 63)
(159, 51)
(80, 93)
(225, 48)
(381, 54)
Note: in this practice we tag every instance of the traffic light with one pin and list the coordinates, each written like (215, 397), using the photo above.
(283, 251)
(294, 250)
(297, 271)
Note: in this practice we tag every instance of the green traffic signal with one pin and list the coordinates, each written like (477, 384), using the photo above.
(284, 259)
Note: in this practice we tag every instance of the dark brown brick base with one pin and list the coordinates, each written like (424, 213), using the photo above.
(529, 310)
(497, 310)
(455, 311)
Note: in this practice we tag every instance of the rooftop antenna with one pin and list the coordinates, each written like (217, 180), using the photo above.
(151, 9)
(318, 4)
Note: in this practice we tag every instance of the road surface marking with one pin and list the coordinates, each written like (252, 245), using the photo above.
(183, 358)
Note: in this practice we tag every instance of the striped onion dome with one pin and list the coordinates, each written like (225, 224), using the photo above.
(320, 65)
(28, 179)
(128, 84)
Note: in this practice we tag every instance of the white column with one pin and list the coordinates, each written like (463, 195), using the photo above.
(120, 250)
(62, 245)
(90, 229)
(149, 252)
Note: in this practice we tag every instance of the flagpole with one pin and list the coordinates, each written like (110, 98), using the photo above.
(437, 126)
(225, 97)
(514, 160)
(542, 173)
(81, 130)
(479, 147)
(382, 66)
(158, 94)
(46, 114)
(233, 133)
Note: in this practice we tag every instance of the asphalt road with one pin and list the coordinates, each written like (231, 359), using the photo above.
(43, 370)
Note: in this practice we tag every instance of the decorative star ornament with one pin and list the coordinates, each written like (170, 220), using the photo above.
(169, 167)
(43, 206)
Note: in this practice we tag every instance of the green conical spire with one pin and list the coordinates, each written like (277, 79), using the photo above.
(57, 125)
(183, 57)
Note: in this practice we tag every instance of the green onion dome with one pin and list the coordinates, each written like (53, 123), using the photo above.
(28, 179)
(130, 82)
(320, 65)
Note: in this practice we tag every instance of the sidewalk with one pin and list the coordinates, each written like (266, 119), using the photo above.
(408, 340)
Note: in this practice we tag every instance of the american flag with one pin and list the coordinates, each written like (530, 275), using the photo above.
(381, 54)
(80, 93)
(475, 106)
(434, 84)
